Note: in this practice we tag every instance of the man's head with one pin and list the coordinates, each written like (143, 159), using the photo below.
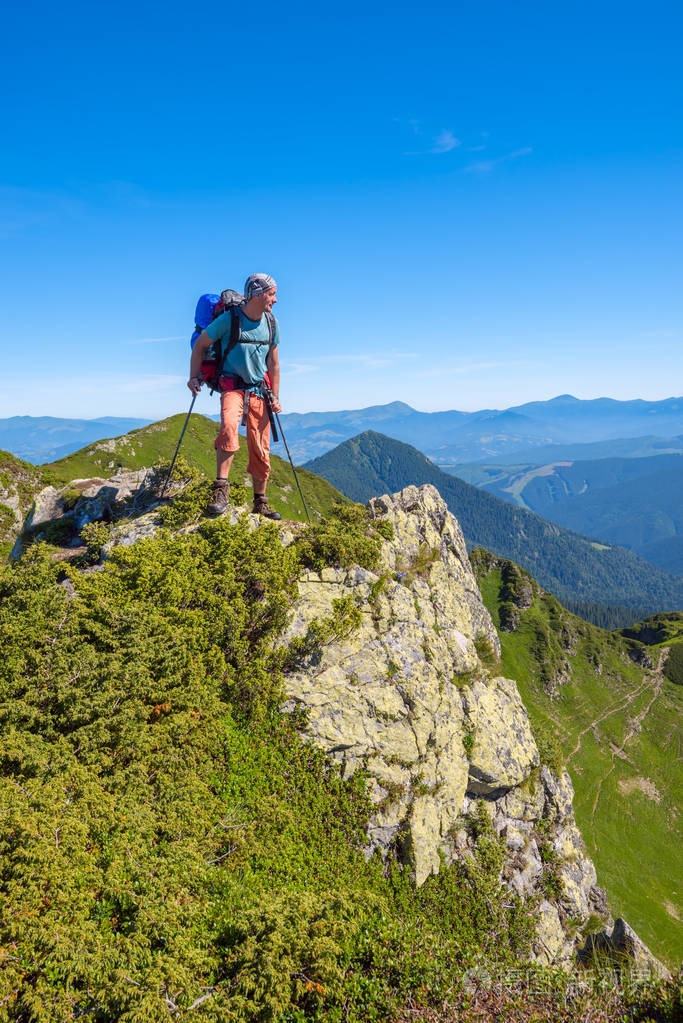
(260, 291)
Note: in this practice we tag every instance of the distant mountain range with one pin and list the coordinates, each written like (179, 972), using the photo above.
(572, 566)
(539, 431)
(40, 439)
(522, 433)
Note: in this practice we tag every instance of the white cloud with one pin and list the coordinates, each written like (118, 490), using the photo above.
(297, 369)
(473, 367)
(485, 166)
(369, 360)
(444, 142)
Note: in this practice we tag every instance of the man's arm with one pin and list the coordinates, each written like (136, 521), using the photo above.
(273, 366)
(201, 345)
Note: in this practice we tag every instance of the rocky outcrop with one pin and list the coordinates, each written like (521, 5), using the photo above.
(415, 697)
(63, 512)
(18, 483)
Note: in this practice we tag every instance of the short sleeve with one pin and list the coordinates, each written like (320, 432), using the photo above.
(276, 334)
(219, 327)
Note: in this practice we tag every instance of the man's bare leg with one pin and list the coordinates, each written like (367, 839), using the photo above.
(223, 463)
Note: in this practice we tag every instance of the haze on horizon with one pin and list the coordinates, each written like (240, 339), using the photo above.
(464, 208)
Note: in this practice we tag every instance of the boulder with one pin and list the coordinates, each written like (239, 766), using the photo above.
(504, 751)
(625, 949)
(48, 505)
(559, 795)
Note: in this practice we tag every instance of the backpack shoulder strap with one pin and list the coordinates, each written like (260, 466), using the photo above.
(235, 329)
(271, 328)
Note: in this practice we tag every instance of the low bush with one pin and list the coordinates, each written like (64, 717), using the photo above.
(348, 536)
(171, 848)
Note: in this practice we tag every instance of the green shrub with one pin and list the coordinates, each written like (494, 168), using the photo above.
(468, 744)
(95, 535)
(70, 496)
(7, 519)
(385, 528)
(188, 506)
(346, 537)
(549, 749)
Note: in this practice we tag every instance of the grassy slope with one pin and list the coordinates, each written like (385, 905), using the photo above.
(661, 631)
(147, 445)
(625, 802)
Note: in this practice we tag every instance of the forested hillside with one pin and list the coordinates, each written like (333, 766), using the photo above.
(635, 502)
(571, 566)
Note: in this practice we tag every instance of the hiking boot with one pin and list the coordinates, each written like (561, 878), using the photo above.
(261, 507)
(220, 499)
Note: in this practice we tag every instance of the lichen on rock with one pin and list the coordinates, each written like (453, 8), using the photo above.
(387, 697)
(413, 697)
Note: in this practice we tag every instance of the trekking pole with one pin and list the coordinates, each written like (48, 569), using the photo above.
(271, 413)
(187, 419)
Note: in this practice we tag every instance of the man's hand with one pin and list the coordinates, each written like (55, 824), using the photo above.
(195, 384)
(275, 404)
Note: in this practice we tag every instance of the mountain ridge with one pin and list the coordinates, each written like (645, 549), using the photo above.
(569, 565)
(454, 436)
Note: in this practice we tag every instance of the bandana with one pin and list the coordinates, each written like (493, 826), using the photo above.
(256, 284)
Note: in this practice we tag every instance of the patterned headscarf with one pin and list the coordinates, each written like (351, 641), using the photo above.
(256, 284)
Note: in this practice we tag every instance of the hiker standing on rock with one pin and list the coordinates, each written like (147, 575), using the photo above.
(243, 370)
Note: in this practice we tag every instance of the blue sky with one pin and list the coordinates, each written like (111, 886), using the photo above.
(465, 205)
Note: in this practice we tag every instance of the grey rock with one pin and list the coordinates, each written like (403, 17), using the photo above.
(504, 752)
(47, 506)
(625, 949)
(551, 945)
(559, 795)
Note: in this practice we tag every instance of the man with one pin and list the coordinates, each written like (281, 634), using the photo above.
(244, 368)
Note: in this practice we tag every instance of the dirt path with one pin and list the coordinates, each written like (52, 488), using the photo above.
(647, 680)
(656, 679)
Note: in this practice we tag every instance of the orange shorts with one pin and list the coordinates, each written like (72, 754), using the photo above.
(258, 430)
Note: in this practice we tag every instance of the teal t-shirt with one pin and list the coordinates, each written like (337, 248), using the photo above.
(245, 360)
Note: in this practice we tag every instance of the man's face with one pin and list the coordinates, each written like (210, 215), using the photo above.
(266, 301)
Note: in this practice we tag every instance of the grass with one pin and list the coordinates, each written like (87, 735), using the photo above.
(145, 446)
(626, 800)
